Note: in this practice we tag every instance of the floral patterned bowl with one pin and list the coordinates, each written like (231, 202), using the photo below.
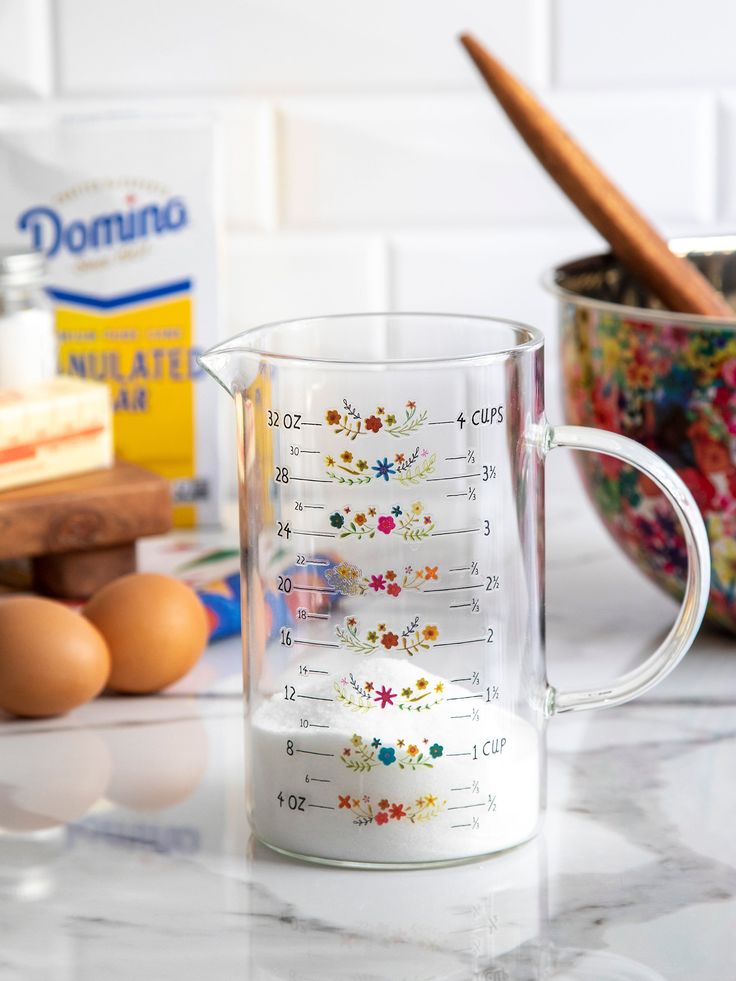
(669, 381)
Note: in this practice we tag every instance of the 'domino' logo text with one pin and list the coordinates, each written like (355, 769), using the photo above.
(50, 234)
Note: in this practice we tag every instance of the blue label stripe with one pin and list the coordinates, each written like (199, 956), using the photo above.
(123, 299)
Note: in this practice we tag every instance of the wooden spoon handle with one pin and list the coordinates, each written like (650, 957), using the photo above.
(677, 283)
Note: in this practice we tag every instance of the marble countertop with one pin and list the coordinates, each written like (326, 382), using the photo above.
(142, 866)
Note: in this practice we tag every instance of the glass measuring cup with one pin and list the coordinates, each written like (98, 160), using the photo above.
(392, 530)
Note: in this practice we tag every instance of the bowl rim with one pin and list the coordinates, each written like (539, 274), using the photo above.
(682, 246)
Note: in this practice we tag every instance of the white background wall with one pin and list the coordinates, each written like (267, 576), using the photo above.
(366, 167)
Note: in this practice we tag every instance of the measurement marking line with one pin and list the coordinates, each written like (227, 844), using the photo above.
(464, 807)
(454, 680)
(461, 568)
(457, 754)
(436, 534)
(317, 452)
(458, 606)
(461, 716)
(453, 789)
(459, 494)
(323, 616)
(313, 752)
(318, 589)
(453, 589)
(463, 457)
(315, 534)
(461, 698)
(317, 725)
(310, 423)
(457, 476)
(319, 780)
(315, 507)
(317, 670)
(315, 643)
(311, 480)
(316, 698)
(452, 826)
(316, 561)
(447, 422)
(458, 643)
(325, 807)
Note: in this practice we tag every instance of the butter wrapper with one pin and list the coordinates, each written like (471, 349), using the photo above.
(52, 430)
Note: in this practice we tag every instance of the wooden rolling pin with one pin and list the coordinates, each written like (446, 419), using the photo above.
(676, 281)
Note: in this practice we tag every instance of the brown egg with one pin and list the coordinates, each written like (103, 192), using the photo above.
(155, 628)
(51, 658)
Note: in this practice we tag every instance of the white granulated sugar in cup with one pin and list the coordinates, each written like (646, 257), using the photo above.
(365, 783)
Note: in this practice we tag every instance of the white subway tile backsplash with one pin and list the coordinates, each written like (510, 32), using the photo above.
(727, 176)
(25, 48)
(496, 274)
(644, 42)
(249, 165)
(423, 160)
(284, 276)
(281, 45)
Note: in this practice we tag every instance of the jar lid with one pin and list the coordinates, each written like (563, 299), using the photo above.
(20, 267)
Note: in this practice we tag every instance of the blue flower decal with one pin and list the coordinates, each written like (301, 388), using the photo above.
(376, 743)
(387, 755)
(396, 511)
(383, 469)
(435, 751)
(337, 520)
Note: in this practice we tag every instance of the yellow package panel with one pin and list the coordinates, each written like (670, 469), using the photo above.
(185, 516)
(145, 355)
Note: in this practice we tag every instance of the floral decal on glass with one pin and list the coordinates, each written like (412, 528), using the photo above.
(364, 696)
(407, 469)
(349, 422)
(364, 755)
(349, 580)
(364, 812)
(409, 640)
(413, 523)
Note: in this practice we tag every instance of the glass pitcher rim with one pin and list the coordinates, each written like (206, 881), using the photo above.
(234, 344)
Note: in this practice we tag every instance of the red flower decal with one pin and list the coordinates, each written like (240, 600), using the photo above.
(390, 640)
(345, 801)
(397, 811)
(373, 424)
(381, 818)
(385, 696)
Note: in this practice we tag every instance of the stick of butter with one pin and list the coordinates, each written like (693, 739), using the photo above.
(54, 429)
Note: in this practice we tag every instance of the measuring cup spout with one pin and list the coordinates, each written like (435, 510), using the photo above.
(219, 365)
(234, 363)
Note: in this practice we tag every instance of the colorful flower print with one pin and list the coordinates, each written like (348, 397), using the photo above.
(361, 696)
(364, 814)
(406, 470)
(351, 423)
(412, 527)
(669, 386)
(365, 755)
(411, 640)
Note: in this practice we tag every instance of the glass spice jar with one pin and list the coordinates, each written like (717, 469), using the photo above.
(27, 337)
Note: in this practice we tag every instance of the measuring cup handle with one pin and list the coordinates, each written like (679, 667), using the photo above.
(676, 644)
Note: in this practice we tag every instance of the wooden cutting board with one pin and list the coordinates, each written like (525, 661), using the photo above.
(80, 532)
